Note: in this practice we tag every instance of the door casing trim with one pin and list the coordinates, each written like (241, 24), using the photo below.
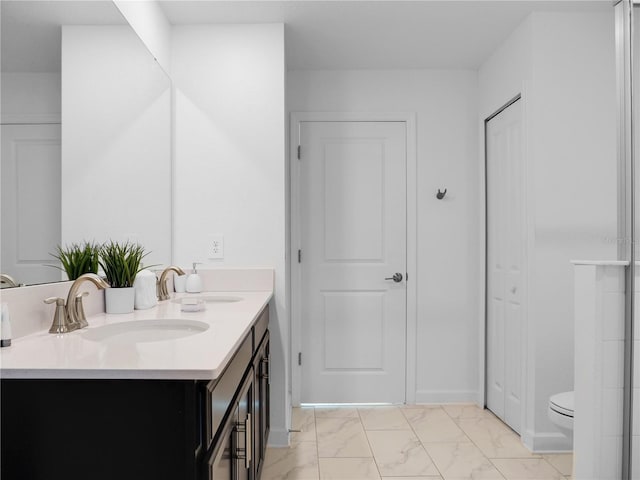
(295, 120)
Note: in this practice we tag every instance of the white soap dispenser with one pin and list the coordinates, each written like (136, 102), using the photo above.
(194, 282)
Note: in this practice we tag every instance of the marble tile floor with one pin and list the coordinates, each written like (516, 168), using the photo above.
(449, 442)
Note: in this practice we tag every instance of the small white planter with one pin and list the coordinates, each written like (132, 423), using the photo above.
(119, 300)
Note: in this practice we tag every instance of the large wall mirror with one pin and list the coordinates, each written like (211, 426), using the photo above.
(86, 136)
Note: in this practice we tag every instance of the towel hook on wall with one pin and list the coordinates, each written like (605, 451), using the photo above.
(440, 195)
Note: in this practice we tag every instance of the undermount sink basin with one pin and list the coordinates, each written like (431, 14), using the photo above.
(208, 298)
(143, 331)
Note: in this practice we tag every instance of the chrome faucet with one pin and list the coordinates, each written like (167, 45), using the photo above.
(8, 280)
(74, 307)
(163, 292)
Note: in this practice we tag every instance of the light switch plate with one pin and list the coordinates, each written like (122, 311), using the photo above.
(215, 246)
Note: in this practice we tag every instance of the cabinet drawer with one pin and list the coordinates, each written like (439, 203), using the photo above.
(260, 327)
(220, 392)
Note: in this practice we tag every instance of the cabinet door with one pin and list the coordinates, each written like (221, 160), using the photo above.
(265, 395)
(244, 430)
(261, 403)
(223, 464)
(233, 458)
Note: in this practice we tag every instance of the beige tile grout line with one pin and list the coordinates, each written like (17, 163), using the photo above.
(422, 444)
(472, 442)
(373, 456)
(413, 430)
(365, 434)
(540, 457)
(315, 428)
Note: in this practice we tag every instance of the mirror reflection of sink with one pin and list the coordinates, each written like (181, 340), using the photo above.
(212, 298)
(143, 331)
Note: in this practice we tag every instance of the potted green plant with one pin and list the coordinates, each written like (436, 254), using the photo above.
(121, 262)
(77, 259)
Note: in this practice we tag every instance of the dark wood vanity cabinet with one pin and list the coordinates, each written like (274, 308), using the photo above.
(75, 429)
(238, 433)
(231, 456)
(261, 403)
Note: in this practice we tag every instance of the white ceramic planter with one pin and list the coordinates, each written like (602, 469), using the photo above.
(119, 300)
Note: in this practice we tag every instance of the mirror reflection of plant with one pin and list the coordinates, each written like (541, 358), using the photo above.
(77, 259)
(121, 262)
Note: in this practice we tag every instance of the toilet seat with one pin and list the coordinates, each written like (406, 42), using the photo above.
(560, 412)
(562, 403)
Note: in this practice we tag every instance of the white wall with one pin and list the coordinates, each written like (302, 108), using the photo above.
(445, 106)
(116, 164)
(565, 62)
(575, 176)
(150, 23)
(30, 95)
(230, 165)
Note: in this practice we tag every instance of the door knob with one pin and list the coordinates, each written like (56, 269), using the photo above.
(397, 277)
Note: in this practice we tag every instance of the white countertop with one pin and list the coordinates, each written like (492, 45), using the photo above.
(195, 357)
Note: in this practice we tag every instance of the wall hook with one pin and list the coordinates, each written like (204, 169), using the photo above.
(440, 195)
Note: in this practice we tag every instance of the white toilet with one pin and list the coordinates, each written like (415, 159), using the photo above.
(561, 412)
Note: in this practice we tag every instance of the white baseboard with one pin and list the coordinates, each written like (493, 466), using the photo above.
(278, 438)
(547, 442)
(446, 396)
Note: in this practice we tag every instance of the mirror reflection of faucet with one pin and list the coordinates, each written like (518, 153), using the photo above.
(7, 280)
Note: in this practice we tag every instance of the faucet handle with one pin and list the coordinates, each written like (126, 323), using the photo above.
(61, 323)
(79, 306)
(57, 300)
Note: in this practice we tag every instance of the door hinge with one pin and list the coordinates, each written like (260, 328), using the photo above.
(299, 152)
(299, 358)
(299, 256)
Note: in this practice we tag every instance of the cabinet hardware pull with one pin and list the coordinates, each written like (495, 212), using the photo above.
(244, 453)
(248, 441)
(265, 368)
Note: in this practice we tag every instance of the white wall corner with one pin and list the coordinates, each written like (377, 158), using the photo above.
(546, 442)
(279, 437)
(152, 26)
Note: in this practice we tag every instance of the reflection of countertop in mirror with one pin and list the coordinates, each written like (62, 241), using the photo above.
(198, 356)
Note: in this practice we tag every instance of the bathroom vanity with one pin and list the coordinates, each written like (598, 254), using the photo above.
(97, 406)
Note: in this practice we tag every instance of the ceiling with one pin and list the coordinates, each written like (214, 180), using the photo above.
(329, 34)
(388, 34)
(30, 36)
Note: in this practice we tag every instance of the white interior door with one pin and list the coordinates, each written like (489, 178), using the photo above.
(353, 241)
(31, 205)
(504, 264)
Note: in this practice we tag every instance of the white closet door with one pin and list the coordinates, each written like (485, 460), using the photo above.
(505, 242)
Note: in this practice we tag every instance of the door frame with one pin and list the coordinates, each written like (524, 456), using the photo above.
(527, 347)
(295, 121)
